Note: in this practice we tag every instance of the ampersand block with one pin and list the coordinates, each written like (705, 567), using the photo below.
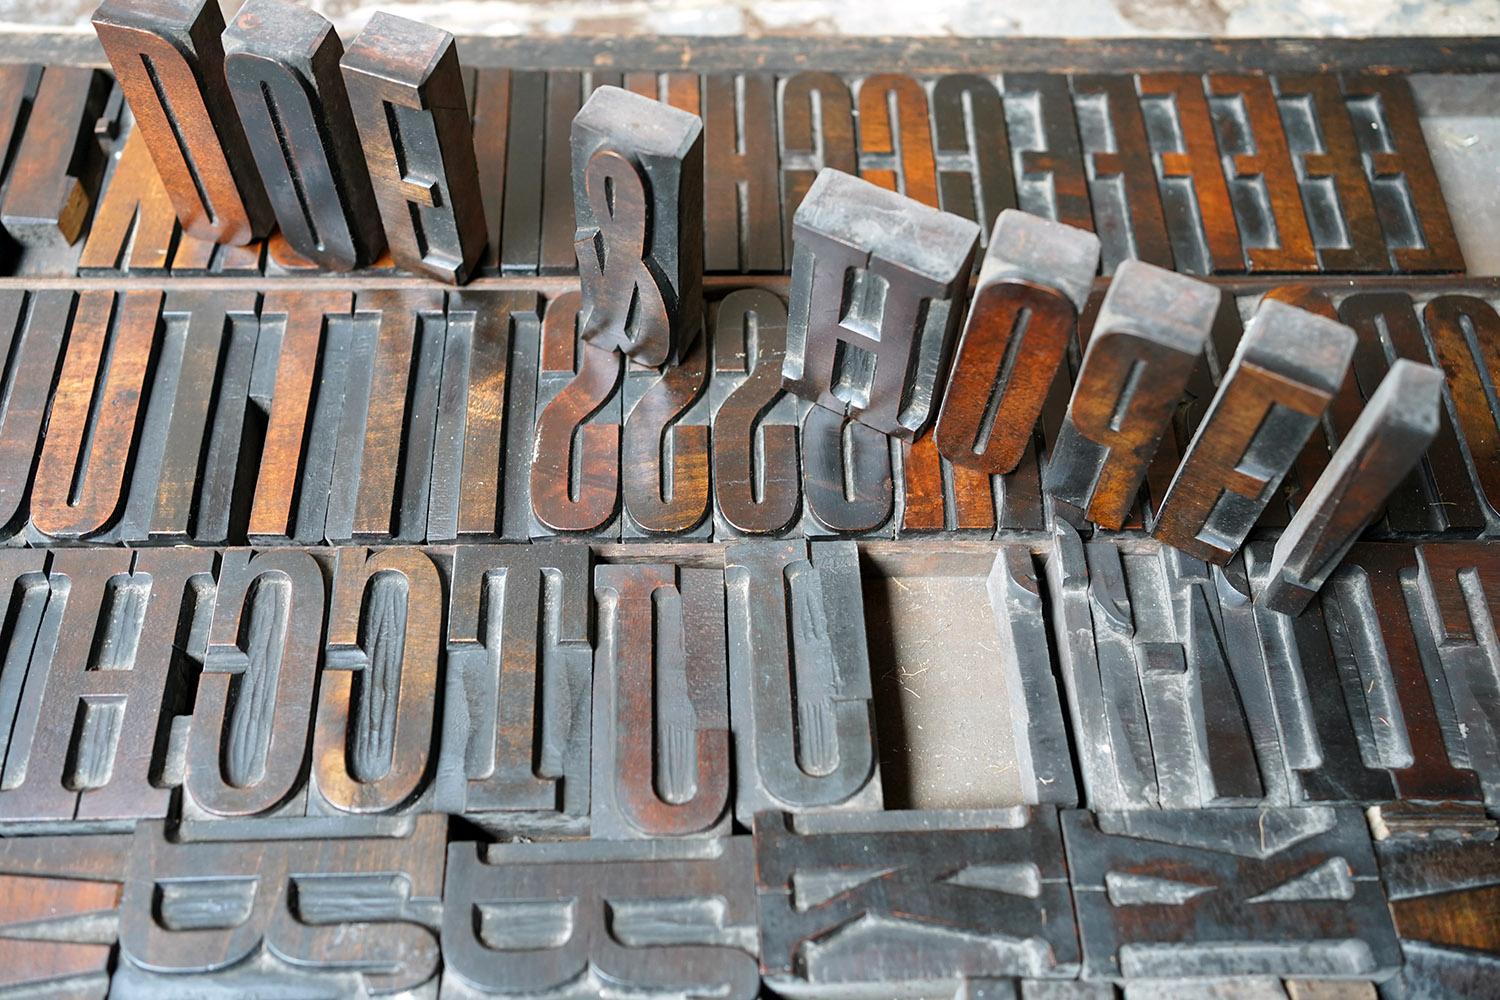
(638, 205)
(878, 286)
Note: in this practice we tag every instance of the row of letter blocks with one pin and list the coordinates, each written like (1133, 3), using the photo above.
(326, 416)
(1216, 174)
(234, 765)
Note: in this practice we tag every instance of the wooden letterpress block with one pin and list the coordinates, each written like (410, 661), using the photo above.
(661, 703)
(1388, 439)
(878, 285)
(1146, 343)
(742, 204)
(1034, 281)
(55, 178)
(1123, 176)
(168, 57)
(282, 63)
(975, 174)
(407, 94)
(848, 476)
(33, 328)
(638, 199)
(1048, 157)
(817, 131)
(895, 150)
(1287, 367)
(664, 458)
(515, 747)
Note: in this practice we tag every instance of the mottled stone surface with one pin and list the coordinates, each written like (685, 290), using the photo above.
(1116, 18)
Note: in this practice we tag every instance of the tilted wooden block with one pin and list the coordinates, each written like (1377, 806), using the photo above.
(406, 91)
(168, 57)
(282, 64)
(1034, 281)
(878, 287)
(1288, 366)
(638, 204)
(1146, 342)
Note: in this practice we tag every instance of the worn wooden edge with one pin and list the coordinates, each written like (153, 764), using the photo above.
(1457, 54)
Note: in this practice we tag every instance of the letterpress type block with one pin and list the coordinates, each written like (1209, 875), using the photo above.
(664, 459)
(1034, 281)
(55, 177)
(1441, 897)
(169, 60)
(757, 477)
(799, 678)
(656, 920)
(1044, 142)
(1229, 892)
(1386, 442)
(1147, 340)
(661, 703)
(515, 747)
(1122, 177)
(1287, 367)
(341, 916)
(1471, 363)
(638, 203)
(859, 901)
(282, 63)
(878, 286)
(817, 131)
(407, 93)
(848, 476)
(33, 329)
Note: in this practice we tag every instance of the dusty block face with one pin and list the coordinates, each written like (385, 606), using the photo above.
(1147, 340)
(878, 287)
(282, 65)
(1034, 282)
(638, 202)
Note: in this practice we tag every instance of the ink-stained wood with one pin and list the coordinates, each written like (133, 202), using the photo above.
(637, 173)
(975, 172)
(873, 344)
(1145, 343)
(1387, 440)
(1444, 898)
(1464, 332)
(134, 227)
(1286, 369)
(96, 413)
(609, 904)
(895, 137)
(575, 468)
(252, 717)
(282, 67)
(938, 496)
(1261, 179)
(348, 915)
(54, 181)
(168, 58)
(1408, 198)
(515, 746)
(1122, 176)
(1200, 212)
(1032, 284)
(741, 178)
(817, 131)
(33, 330)
(661, 746)
(848, 477)
(665, 449)
(106, 660)
(296, 321)
(375, 733)
(912, 897)
(799, 694)
(407, 95)
(757, 478)
(184, 486)
(1051, 180)
(490, 103)
(520, 223)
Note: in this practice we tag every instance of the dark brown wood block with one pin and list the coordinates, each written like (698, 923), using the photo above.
(938, 496)
(1120, 156)
(975, 174)
(96, 414)
(1044, 140)
(664, 458)
(1288, 366)
(169, 60)
(1445, 901)
(54, 181)
(520, 224)
(33, 329)
(741, 178)
(895, 146)
(135, 227)
(757, 476)
(847, 476)
(375, 736)
(817, 131)
(1470, 365)
(282, 65)
(490, 100)
(661, 748)
(575, 471)
(407, 94)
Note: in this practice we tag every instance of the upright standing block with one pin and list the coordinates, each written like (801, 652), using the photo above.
(1287, 368)
(1147, 341)
(638, 204)
(1032, 286)
(169, 61)
(1386, 442)
(407, 93)
(282, 63)
(878, 283)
